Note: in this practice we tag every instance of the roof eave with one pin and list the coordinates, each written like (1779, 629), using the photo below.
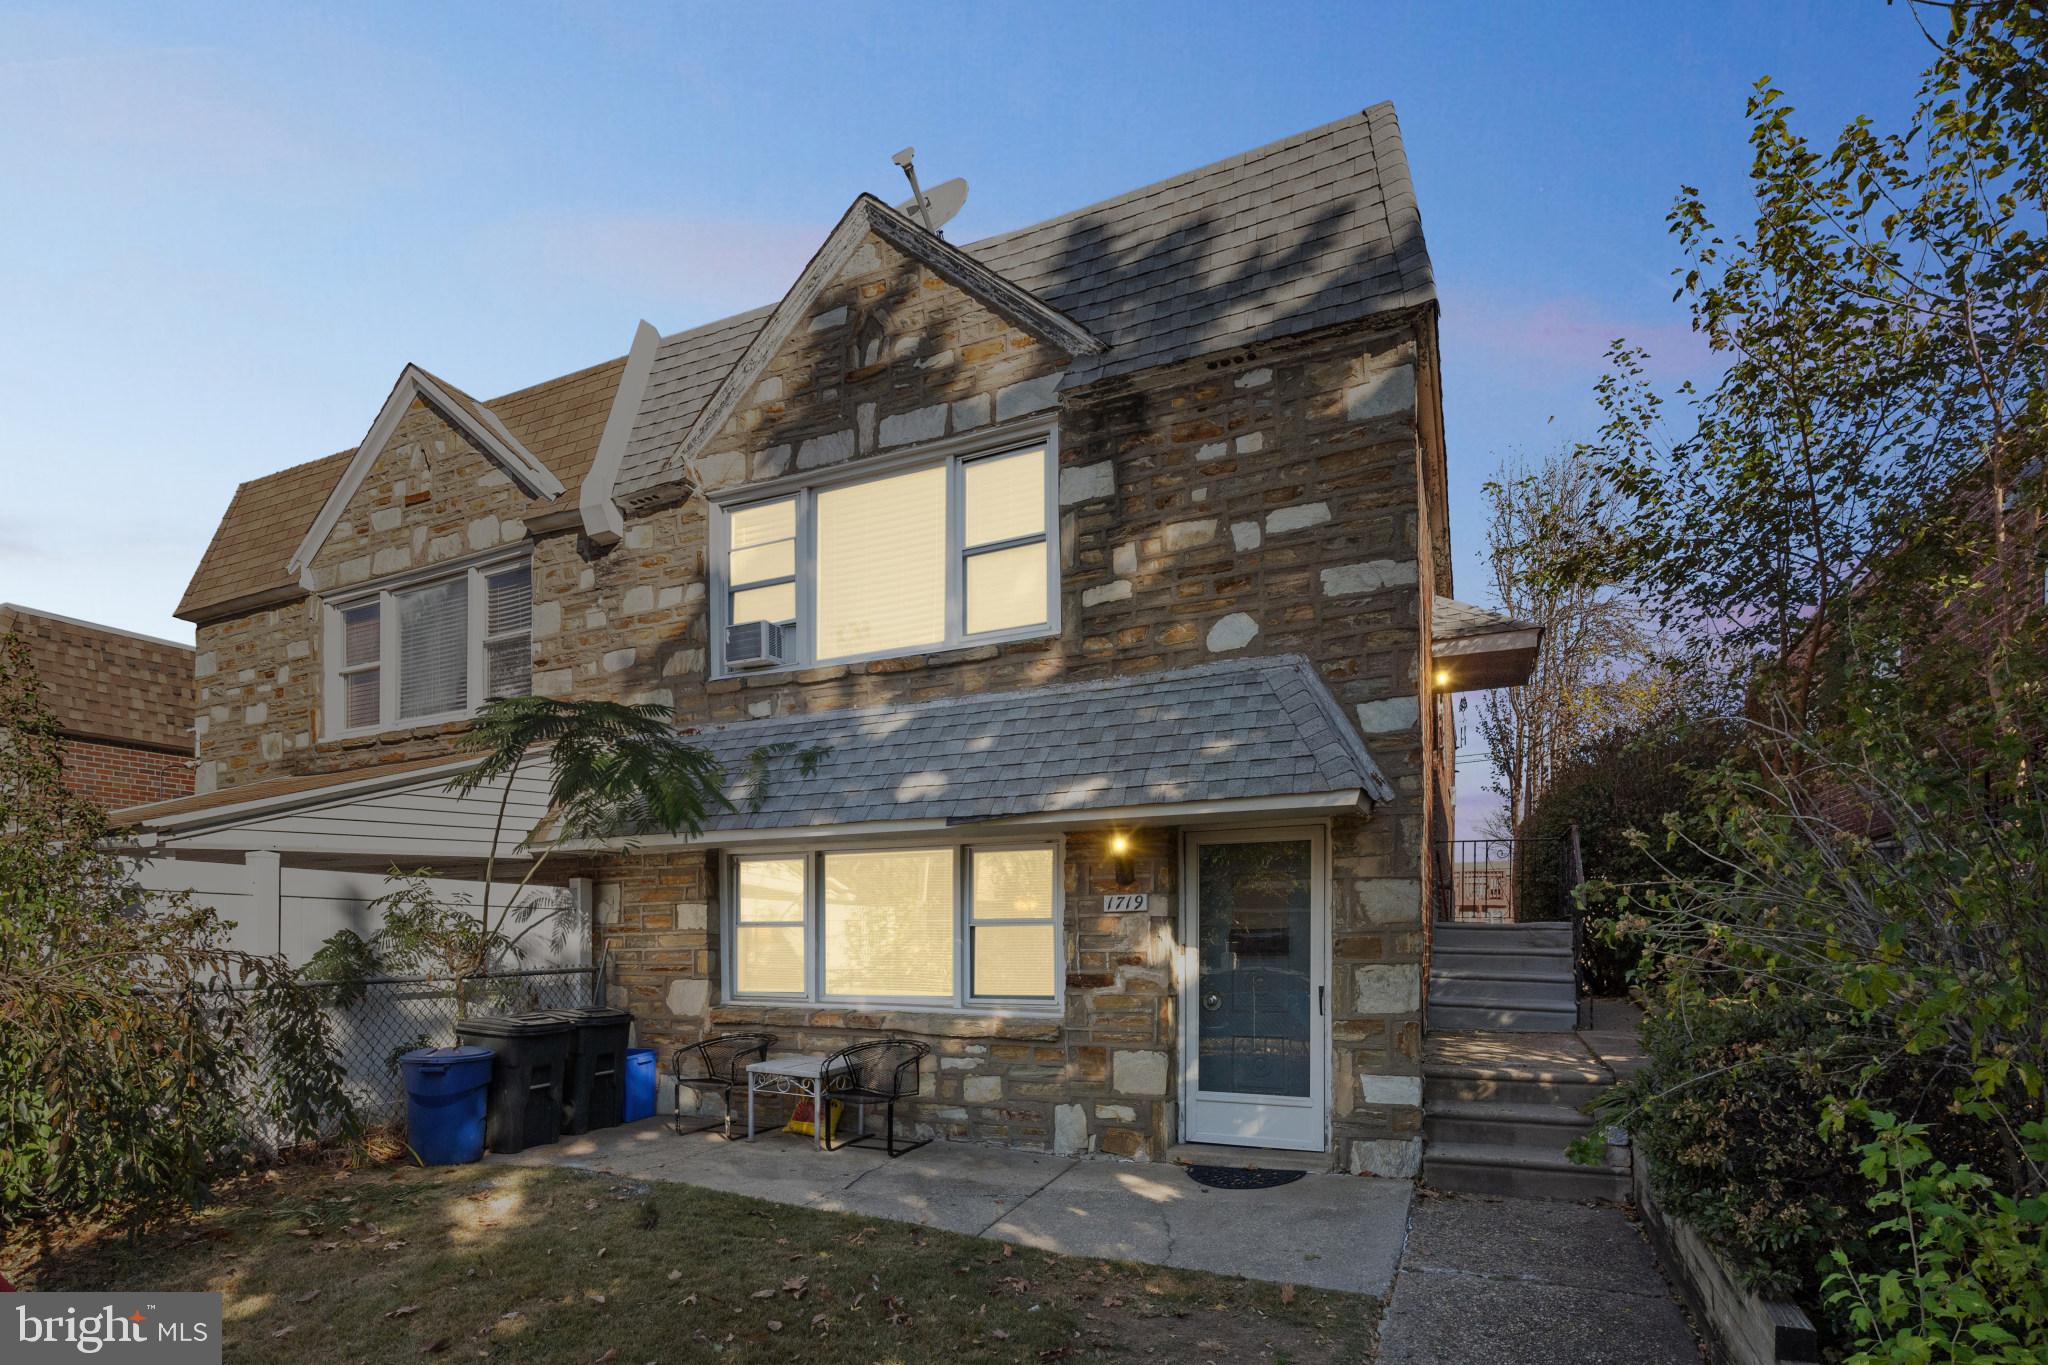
(1307, 804)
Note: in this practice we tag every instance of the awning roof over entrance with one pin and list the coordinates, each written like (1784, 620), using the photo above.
(1477, 649)
(1225, 734)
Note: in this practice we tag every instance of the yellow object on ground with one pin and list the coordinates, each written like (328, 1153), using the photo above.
(801, 1120)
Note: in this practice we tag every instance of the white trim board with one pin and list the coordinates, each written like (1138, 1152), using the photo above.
(488, 434)
(602, 520)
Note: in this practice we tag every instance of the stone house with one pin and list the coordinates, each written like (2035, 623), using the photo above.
(1096, 564)
(122, 703)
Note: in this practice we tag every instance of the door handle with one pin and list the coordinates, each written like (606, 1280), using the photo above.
(1319, 1000)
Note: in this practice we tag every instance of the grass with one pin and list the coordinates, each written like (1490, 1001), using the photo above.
(319, 1263)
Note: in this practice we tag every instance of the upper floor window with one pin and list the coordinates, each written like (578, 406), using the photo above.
(430, 649)
(950, 552)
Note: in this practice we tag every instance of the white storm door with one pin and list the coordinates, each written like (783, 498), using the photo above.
(1254, 989)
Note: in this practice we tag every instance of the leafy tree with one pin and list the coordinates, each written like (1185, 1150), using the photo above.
(1592, 674)
(1884, 323)
(138, 1050)
(1842, 531)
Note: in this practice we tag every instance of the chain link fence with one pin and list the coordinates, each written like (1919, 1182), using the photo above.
(397, 1014)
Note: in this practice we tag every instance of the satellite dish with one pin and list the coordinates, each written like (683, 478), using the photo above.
(937, 205)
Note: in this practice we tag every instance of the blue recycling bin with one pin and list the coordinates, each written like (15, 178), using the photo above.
(641, 1073)
(444, 1102)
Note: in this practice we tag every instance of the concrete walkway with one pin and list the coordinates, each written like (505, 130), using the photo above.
(1326, 1231)
(1530, 1282)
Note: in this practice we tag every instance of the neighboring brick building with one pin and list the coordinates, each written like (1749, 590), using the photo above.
(122, 701)
(1159, 485)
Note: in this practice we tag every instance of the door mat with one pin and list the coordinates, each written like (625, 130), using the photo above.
(1236, 1178)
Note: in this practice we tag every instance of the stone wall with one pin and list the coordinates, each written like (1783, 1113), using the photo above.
(1101, 1076)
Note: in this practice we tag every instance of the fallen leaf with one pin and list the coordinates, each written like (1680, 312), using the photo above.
(675, 1274)
(593, 1296)
(1000, 1335)
(762, 1294)
(307, 1297)
(1287, 1293)
(689, 1300)
(282, 1331)
(774, 1326)
(601, 1251)
(404, 1310)
(434, 1347)
(818, 1319)
(299, 1232)
(1008, 1251)
(611, 1353)
(795, 1284)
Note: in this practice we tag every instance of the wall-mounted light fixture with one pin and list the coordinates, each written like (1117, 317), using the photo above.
(1443, 677)
(1125, 868)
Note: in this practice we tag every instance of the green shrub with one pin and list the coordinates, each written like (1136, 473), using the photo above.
(1625, 782)
(138, 1050)
(1969, 1276)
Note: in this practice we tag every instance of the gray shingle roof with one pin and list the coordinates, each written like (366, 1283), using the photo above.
(1314, 229)
(1451, 619)
(1245, 728)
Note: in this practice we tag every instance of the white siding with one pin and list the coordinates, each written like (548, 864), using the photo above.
(422, 820)
(310, 904)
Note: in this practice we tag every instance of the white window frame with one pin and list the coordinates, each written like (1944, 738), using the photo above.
(954, 455)
(963, 1000)
(384, 593)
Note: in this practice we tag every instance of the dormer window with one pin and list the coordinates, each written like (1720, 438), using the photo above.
(932, 554)
(430, 649)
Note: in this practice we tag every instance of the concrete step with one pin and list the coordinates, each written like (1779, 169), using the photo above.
(1460, 1088)
(1503, 993)
(1501, 938)
(1501, 1123)
(1499, 967)
(1514, 1172)
(1249, 1158)
(1443, 1018)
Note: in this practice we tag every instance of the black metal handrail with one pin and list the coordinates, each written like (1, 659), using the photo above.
(1571, 876)
(1497, 881)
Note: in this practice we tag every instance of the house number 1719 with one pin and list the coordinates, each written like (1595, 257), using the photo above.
(1125, 905)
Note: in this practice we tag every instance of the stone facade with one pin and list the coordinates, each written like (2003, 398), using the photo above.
(1100, 1076)
(1282, 500)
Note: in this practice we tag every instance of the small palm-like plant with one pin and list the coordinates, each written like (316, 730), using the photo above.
(616, 771)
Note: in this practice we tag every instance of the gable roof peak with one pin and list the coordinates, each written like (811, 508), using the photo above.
(479, 424)
(869, 215)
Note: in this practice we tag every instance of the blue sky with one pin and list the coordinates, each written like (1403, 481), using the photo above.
(225, 229)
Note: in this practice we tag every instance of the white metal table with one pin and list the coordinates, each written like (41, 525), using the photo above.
(800, 1073)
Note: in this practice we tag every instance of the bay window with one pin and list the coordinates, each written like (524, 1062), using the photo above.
(964, 926)
(430, 649)
(926, 556)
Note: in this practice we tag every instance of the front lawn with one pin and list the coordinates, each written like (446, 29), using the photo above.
(520, 1264)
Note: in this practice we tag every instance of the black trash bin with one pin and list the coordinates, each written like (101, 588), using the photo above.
(595, 1094)
(529, 1079)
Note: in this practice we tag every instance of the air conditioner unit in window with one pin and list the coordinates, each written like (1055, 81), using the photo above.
(756, 644)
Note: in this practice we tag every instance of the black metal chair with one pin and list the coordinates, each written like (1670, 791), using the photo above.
(718, 1063)
(879, 1072)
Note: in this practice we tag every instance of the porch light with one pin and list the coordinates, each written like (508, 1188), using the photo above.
(1443, 677)
(1120, 849)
